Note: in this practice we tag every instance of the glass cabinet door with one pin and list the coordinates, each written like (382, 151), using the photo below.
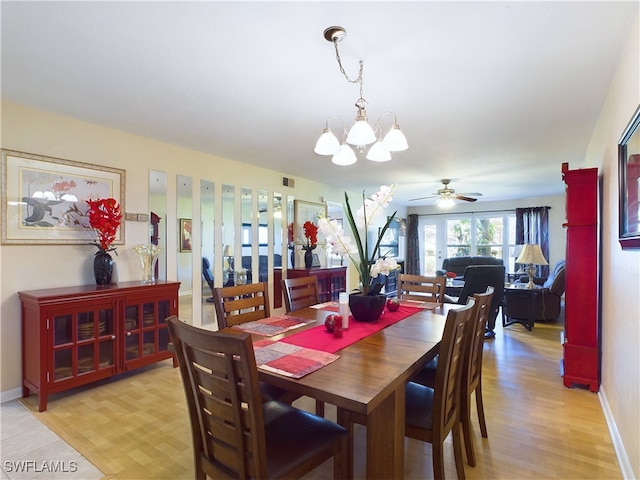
(83, 341)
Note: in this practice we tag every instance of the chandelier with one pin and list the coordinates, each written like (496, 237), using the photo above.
(361, 134)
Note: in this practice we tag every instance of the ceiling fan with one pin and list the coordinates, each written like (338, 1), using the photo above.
(447, 195)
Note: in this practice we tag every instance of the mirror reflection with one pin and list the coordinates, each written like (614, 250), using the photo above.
(290, 233)
(244, 274)
(158, 219)
(184, 211)
(228, 234)
(277, 230)
(207, 229)
(263, 236)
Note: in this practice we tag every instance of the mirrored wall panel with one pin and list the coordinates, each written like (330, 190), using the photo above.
(207, 229)
(228, 235)
(244, 274)
(158, 219)
(184, 211)
(263, 236)
(280, 250)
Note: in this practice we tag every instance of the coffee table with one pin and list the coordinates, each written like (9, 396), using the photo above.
(518, 291)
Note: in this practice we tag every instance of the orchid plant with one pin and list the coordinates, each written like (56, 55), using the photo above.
(362, 257)
(104, 220)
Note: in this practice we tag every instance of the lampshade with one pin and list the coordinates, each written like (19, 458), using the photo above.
(361, 133)
(378, 152)
(228, 251)
(531, 254)
(327, 144)
(345, 156)
(395, 140)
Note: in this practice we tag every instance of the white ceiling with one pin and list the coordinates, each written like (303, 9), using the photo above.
(494, 95)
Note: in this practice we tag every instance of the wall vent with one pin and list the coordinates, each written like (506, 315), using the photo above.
(288, 182)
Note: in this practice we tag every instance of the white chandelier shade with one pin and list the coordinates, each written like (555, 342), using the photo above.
(344, 156)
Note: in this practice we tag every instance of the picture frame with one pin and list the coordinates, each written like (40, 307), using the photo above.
(629, 184)
(44, 198)
(185, 234)
(306, 211)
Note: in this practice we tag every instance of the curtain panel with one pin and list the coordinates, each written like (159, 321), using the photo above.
(532, 226)
(412, 265)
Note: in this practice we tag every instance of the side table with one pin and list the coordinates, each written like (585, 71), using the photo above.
(520, 294)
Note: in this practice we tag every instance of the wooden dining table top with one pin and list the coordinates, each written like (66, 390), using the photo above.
(369, 368)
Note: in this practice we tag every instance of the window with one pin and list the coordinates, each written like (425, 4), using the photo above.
(490, 234)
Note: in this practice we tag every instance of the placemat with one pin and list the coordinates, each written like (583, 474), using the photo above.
(289, 360)
(333, 306)
(418, 304)
(270, 326)
(320, 339)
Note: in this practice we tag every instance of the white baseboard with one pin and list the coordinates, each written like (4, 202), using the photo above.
(10, 395)
(618, 446)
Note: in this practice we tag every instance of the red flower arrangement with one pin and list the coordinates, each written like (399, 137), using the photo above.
(311, 234)
(104, 220)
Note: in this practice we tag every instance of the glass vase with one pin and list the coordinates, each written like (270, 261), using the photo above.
(148, 255)
(102, 267)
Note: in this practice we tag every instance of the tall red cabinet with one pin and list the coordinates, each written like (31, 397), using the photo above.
(581, 344)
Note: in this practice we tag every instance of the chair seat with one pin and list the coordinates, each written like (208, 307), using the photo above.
(419, 406)
(293, 437)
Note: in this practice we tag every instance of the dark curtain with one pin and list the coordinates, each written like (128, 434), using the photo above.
(412, 264)
(532, 226)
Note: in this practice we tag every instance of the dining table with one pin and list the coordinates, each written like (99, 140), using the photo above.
(368, 378)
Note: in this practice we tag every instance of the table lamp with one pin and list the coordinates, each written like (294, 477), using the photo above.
(532, 255)
(228, 254)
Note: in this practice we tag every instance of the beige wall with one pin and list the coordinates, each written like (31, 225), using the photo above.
(27, 267)
(620, 391)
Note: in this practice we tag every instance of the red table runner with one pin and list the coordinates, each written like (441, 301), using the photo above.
(319, 338)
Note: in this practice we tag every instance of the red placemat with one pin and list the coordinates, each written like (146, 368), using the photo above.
(319, 338)
(289, 360)
(270, 326)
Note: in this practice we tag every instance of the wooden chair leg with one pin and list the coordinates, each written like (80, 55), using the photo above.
(457, 452)
(319, 408)
(480, 409)
(340, 461)
(437, 454)
(465, 420)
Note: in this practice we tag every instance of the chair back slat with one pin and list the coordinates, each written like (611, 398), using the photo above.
(300, 292)
(241, 303)
(475, 347)
(421, 288)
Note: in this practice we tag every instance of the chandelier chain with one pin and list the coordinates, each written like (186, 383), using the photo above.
(342, 70)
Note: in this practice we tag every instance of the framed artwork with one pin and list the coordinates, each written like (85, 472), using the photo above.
(629, 184)
(185, 234)
(306, 211)
(44, 198)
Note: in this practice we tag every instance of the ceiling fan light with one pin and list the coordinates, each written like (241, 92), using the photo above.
(327, 144)
(446, 203)
(345, 156)
(394, 140)
(378, 153)
(361, 133)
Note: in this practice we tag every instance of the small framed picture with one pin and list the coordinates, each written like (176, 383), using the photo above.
(185, 234)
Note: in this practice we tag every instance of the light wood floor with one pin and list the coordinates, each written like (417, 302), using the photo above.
(136, 426)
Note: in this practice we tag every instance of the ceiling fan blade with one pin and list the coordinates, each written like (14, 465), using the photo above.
(466, 199)
(471, 194)
(423, 198)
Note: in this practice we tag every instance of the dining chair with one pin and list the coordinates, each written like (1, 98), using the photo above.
(421, 288)
(300, 292)
(431, 413)
(241, 303)
(471, 374)
(246, 303)
(234, 433)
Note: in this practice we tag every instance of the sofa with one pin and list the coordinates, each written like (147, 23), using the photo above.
(458, 265)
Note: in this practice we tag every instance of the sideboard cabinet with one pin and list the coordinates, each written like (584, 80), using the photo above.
(331, 281)
(76, 335)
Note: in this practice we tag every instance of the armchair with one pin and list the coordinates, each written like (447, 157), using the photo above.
(522, 305)
(476, 280)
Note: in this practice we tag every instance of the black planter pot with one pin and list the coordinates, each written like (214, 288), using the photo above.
(102, 268)
(308, 258)
(366, 308)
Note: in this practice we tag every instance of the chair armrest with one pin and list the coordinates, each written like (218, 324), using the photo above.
(440, 273)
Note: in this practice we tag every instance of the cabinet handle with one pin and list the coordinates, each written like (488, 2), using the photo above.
(128, 334)
(113, 337)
